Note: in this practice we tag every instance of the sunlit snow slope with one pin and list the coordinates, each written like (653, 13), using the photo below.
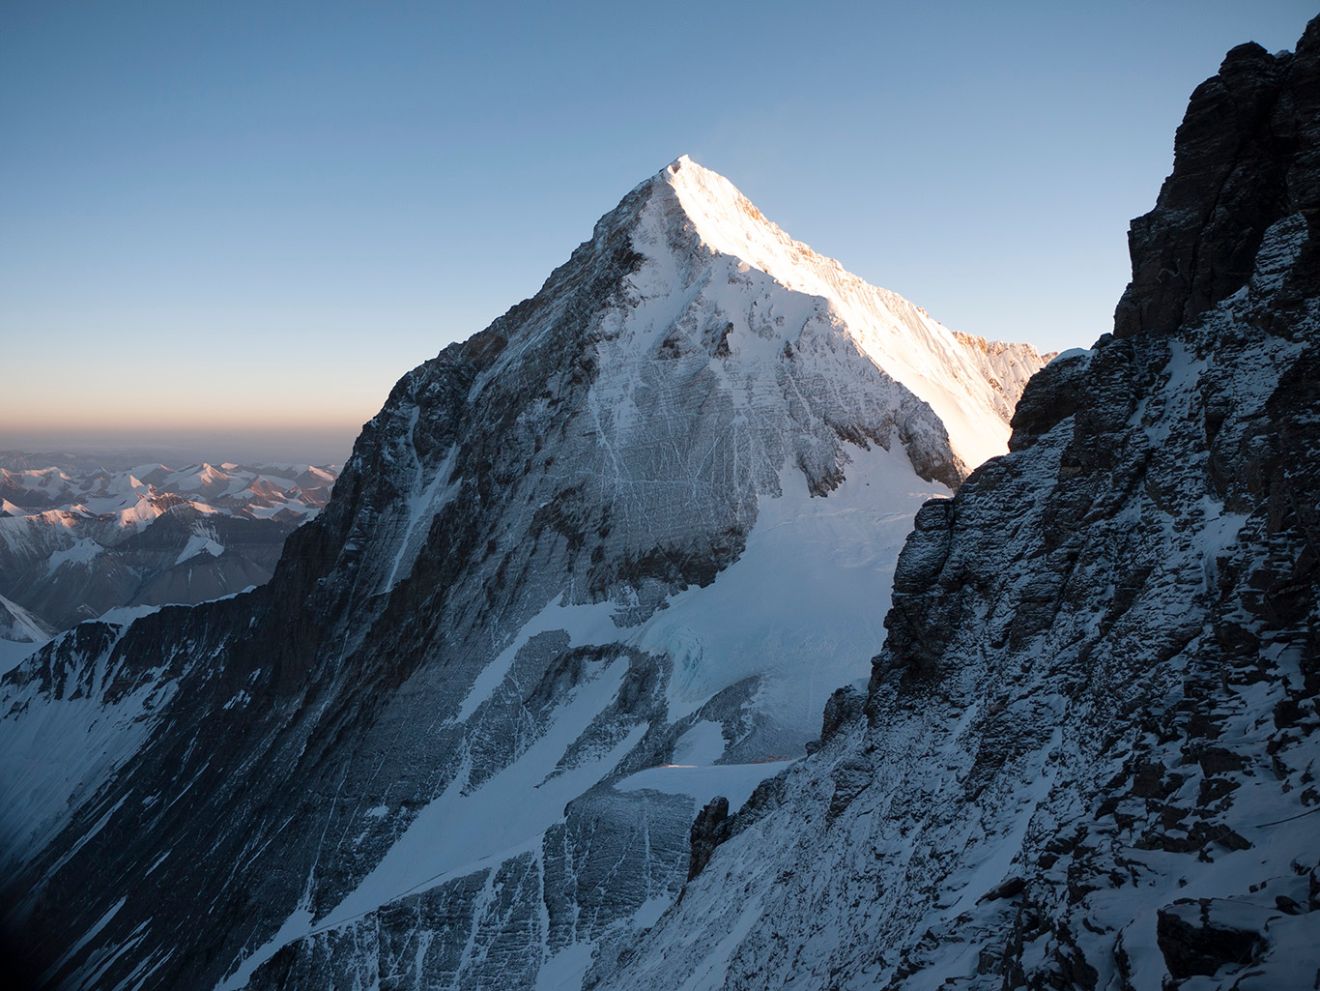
(972, 384)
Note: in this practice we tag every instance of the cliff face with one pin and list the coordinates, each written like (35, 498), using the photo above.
(1087, 756)
(1244, 159)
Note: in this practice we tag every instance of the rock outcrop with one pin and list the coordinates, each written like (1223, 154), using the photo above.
(1244, 159)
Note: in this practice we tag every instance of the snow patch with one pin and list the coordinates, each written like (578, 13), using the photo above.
(736, 782)
(200, 542)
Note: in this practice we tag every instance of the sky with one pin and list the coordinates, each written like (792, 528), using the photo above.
(234, 225)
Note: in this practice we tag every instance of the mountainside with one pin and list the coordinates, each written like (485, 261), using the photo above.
(1087, 754)
(584, 571)
(78, 540)
(21, 633)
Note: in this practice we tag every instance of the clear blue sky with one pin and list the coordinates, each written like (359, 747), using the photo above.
(218, 215)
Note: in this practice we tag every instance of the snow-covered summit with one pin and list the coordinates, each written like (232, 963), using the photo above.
(961, 376)
(648, 517)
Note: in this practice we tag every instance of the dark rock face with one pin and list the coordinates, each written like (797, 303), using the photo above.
(708, 831)
(1090, 743)
(842, 708)
(1199, 937)
(1244, 158)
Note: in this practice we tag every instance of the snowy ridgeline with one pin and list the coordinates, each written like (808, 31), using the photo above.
(602, 562)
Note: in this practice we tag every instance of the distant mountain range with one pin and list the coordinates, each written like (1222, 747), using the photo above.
(78, 538)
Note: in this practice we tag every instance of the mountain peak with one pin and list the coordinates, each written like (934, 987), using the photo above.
(726, 220)
(946, 370)
(624, 495)
(729, 223)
